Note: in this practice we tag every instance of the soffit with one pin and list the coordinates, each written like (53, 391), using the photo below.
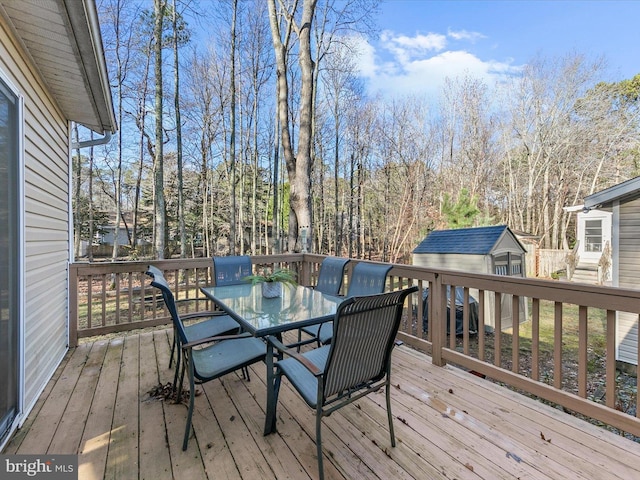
(63, 39)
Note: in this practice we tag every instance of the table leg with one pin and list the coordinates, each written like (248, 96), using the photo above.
(270, 420)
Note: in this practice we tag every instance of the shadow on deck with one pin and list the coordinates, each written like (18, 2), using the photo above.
(449, 424)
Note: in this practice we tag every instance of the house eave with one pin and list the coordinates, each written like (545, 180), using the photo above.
(63, 40)
(606, 198)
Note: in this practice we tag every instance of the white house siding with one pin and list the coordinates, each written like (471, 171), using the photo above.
(628, 276)
(46, 219)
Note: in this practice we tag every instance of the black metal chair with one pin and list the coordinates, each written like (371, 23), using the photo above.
(231, 270)
(330, 280)
(210, 323)
(356, 363)
(366, 279)
(208, 358)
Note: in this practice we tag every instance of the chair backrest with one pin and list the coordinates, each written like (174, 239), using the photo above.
(158, 281)
(364, 331)
(367, 279)
(231, 270)
(331, 275)
(154, 271)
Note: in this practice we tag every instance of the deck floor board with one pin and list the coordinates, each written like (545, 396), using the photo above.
(448, 424)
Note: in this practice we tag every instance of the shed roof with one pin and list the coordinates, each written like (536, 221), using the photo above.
(470, 241)
(63, 39)
(605, 198)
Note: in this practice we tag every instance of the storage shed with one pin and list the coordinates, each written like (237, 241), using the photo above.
(623, 201)
(486, 250)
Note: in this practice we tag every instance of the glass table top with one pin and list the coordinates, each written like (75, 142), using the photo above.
(297, 307)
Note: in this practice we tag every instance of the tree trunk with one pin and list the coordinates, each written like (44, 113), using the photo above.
(158, 164)
(298, 163)
(232, 133)
(176, 104)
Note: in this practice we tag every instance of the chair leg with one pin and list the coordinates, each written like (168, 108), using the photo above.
(175, 375)
(299, 339)
(389, 415)
(192, 395)
(319, 442)
(178, 384)
(173, 349)
(272, 403)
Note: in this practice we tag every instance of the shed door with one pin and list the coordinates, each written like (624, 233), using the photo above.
(9, 259)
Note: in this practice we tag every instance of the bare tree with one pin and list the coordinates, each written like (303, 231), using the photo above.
(158, 164)
(283, 22)
(176, 105)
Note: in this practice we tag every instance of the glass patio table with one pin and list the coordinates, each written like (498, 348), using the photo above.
(297, 307)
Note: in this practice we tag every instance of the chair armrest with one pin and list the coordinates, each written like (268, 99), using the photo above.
(198, 299)
(304, 361)
(218, 338)
(191, 316)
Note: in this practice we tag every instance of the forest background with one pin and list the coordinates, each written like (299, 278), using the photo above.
(200, 163)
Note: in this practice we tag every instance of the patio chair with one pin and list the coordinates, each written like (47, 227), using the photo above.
(366, 279)
(331, 275)
(209, 358)
(231, 270)
(356, 363)
(330, 280)
(210, 324)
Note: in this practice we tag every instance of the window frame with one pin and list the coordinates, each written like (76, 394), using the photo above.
(19, 250)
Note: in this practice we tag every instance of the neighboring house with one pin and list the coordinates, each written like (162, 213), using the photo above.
(593, 246)
(623, 201)
(52, 72)
(492, 249)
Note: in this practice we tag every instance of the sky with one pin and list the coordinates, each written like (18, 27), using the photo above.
(423, 41)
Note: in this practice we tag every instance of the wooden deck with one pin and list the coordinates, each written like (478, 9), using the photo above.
(449, 424)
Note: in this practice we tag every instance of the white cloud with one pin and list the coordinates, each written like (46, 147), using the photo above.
(403, 65)
(473, 37)
(419, 42)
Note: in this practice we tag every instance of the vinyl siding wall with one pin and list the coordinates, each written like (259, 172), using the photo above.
(628, 276)
(46, 219)
(453, 261)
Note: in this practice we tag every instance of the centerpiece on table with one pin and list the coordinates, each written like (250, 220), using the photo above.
(272, 281)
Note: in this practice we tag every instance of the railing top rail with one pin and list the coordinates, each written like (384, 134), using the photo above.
(609, 298)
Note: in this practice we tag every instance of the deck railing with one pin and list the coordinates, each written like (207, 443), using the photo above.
(561, 349)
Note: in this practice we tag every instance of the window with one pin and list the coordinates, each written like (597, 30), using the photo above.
(508, 264)
(9, 256)
(593, 235)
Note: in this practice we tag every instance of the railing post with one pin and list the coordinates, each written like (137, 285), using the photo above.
(305, 271)
(437, 319)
